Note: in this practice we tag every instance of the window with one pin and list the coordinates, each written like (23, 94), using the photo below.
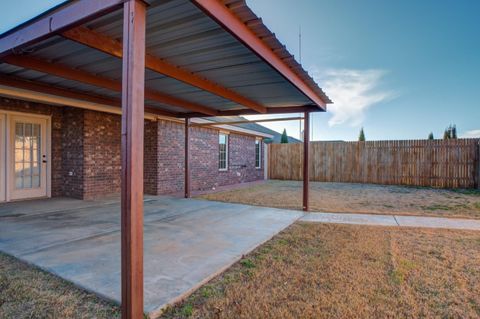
(258, 153)
(27, 155)
(222, 152)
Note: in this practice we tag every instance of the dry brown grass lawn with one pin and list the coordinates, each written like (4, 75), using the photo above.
(346, 271)
(358, 198)
(27, 292)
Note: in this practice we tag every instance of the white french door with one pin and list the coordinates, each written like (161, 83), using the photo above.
(3, 157)
(27, 169)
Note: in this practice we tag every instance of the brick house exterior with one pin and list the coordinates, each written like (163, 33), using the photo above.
(86, 145)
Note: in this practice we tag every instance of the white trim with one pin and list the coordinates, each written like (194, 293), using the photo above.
(227, 140)
(3, 157)
(224, 132)
(46, 132)
(62, 101)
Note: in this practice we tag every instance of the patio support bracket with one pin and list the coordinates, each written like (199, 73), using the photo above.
(133, 91)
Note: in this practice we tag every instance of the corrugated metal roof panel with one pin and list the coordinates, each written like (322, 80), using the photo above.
(183, 35)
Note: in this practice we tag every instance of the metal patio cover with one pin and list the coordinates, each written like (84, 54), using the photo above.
(204, 58)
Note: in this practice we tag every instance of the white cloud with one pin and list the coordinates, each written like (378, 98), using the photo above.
(471, 134)
(353, 92)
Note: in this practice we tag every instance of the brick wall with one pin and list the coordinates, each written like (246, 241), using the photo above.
(150, 168)
(86, 148)
(171, 157)
(72, 152)
(102, 145)
(204, 173)
(203, 159)
(102, 155)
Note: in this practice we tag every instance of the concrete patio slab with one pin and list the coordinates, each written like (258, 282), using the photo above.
(41, 206)
(187, 241)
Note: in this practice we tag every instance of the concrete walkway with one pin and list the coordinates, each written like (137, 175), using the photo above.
(187, 241)
(393, 220)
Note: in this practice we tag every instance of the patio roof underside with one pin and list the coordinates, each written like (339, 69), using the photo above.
(209, 71)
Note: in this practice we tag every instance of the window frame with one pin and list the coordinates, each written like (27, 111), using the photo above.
(226, 151)
(258, 142)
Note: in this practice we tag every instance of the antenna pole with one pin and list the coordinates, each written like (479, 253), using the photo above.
(300, 43)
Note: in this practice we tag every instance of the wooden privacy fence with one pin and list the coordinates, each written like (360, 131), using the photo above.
(435, 163)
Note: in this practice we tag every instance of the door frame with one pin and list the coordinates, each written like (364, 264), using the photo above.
(48, 135)
(3, 157)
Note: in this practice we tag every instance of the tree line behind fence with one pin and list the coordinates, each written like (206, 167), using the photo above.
(435, 163)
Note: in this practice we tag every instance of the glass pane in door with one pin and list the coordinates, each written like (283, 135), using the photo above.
(27, 155)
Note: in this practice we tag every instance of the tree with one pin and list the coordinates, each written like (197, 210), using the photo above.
(446, 134)
(454, 132)
(361, 137)
(284, 139)
(430, 136)
(450, 132)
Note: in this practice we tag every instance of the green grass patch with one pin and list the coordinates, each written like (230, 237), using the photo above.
(399, 274)
(247, 263)
(187, 310)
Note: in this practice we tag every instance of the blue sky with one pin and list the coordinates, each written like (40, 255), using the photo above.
(16, 12)
(400, 69)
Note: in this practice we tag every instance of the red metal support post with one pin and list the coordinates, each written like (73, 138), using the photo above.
(306, 175)
(187, 158)
(133, 88)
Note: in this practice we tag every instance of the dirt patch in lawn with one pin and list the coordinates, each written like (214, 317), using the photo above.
(28, 292)
(346, 271)
(358, 198)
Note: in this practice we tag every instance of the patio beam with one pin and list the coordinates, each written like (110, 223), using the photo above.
(306, 175)
(67, 16)
(106, 83)
(270, 110)
(187, 158)
(113, 47)
(70, 94)
(282, 119)
(219, 12)
(133, 87)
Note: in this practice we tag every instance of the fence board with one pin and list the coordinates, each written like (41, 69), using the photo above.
(435, 163)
